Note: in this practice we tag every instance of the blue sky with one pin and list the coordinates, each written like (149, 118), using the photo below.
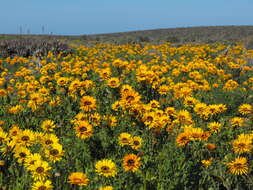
(75, 17)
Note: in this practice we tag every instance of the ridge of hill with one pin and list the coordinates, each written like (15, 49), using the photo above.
(205, 34)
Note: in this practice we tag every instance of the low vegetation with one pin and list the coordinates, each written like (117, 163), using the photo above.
(133, 116)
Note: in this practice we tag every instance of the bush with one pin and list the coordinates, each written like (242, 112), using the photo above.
(32, 47)
(144, 39)
(173, 39)
(249, 44)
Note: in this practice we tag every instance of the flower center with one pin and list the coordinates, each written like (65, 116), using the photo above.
(48, 142)
(22, 154)
(54, 152)
(42, 188)
(149, 118)
(48, 126)
(195, 135)
(113, 83)
(124, 140)
(40, 170)
(14, 133)
(32, 162)
(105, 169)
(238, 165)
(83, 129)
(129, 98)
(130, 162)
(241, 145)
(87, 103)
(25, 138)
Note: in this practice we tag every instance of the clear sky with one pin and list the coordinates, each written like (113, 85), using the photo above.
(74, 17)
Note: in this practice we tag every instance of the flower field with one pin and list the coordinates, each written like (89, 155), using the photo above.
(135, 117)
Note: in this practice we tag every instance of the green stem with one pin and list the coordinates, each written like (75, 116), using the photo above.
(144, 181)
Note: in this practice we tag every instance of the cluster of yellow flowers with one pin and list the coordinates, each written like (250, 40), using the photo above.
(81, 116)
(22, 142)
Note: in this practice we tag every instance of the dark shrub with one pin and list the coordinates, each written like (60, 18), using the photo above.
(32, 47)
(144, 39)
(173, 39)
(249, 44)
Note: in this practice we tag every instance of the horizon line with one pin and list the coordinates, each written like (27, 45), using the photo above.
(127, 31)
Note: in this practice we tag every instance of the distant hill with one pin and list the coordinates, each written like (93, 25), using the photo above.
(188, 34)
(207, 34)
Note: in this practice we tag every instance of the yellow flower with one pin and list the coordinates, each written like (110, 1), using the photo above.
(55, 101)
(81, 117)
(163, 89)
(125, 139)
(237, 121)
(22, 94)
(136, 142)
(171, 111)
(48, 125)
(213, 109)
(21, 153)
(74, 85)
(222, 108)
(154, 104)
(105, 73)
(111, 121)
(14, 131)
(190, 101)
(184, 117)
(1, 123)
(207, 163)
(113, 82)
(3, 136)
(183, 92)
(106, 188)
(125, 89)
(106, 168)
(16, 109)
(214, 127)
(149, 118)
(31, 159)
(62, 81)
(42, 185)
(200, 108)
(245, 109)
(88, 103)
(195, 133)
(118, 63)
(4, 93)
(48, 139)
(131, 162)
(242, 144)
(40, 170)
(78, 178)
(2, 163)
(95, 119)
(230, 85)
(183, 139)
(239, 166)
(26, 137)
(83, 129)
(116, 105)
(2, 81)
(130, 97)
(54, 153)
(44, 91)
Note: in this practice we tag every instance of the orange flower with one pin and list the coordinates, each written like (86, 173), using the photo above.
(78, 178)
